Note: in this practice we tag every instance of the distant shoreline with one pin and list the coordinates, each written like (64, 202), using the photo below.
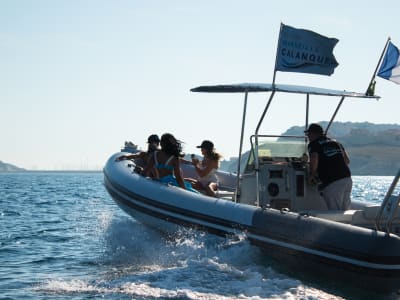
(101, 171)
(373, 149)
(51, 171)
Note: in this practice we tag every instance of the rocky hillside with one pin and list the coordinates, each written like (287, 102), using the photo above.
(4, 167)
(374, 149)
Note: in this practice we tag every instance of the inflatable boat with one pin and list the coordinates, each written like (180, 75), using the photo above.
(269, 201)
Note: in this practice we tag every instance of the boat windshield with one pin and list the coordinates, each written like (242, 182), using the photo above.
(277, 149)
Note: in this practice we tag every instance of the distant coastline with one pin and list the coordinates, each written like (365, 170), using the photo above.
(53, 171)
(6, 167)
(374, 149)
(10, 168)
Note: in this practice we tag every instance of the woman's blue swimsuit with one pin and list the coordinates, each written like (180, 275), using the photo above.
(171, 179)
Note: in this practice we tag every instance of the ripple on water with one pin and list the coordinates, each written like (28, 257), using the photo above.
(62, 236)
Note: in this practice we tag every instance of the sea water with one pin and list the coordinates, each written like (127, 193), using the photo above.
(63, 237)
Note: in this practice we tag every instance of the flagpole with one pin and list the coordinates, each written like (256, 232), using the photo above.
(371, 87)
(276, 56)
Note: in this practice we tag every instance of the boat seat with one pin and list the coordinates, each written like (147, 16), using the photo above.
(342, 216)
(370, 212)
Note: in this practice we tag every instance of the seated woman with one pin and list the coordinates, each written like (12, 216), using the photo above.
(165, 164)
(206, 169)
(143, 157)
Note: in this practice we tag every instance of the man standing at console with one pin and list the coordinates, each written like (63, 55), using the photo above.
(329, 162)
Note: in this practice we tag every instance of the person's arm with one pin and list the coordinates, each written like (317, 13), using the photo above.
(345, 155)
(212, 164)
(313, 168)
(148, 171)
(178, 173)
(131, 156)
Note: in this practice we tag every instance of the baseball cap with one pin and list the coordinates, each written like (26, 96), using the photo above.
(208, 145)
(153, 138)
(315, 128)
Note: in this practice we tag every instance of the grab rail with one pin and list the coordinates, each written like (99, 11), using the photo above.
(389, 206)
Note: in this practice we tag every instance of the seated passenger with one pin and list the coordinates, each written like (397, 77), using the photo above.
(206, 169)
(166, 163)
(143, 156)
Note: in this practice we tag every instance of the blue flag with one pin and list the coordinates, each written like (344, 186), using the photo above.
(390, 67)
(305, 51)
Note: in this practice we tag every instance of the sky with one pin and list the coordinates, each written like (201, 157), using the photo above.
(79, 78)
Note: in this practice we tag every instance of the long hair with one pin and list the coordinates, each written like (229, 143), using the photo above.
(170, 145)
(213, 155)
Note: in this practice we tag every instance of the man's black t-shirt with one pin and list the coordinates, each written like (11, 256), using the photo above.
(331, 163)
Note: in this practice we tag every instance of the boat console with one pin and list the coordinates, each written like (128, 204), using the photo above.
(279, 174)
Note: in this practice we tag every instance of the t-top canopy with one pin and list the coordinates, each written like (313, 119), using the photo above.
(268, 87)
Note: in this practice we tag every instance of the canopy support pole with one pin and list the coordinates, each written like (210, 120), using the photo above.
(334, 114)
(371, 87)
(256, 161)
(241, 145)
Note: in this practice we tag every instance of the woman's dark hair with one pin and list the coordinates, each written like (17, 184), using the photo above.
(170, 145)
